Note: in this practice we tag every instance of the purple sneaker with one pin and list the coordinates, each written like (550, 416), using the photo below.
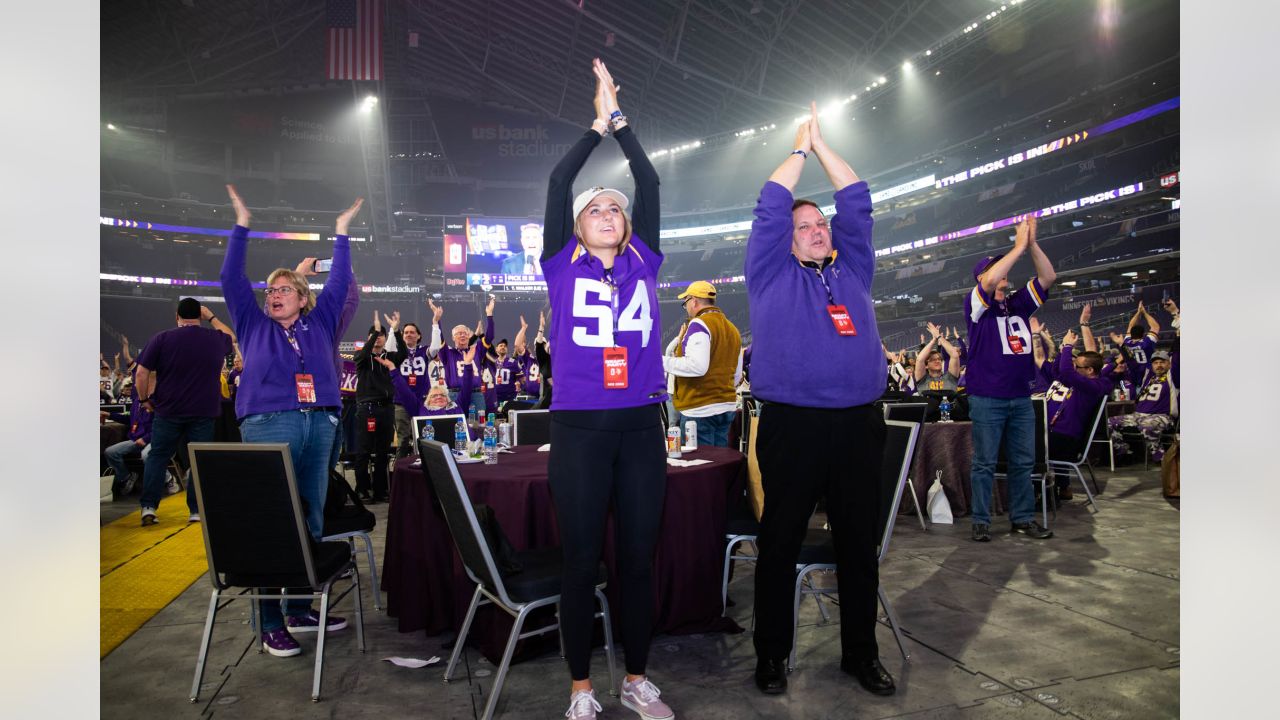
(311, 622)
(280, 643)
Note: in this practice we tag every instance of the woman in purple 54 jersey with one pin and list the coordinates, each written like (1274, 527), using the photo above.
(601, 267)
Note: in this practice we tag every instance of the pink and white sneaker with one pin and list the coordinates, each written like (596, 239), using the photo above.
(642, 696)
(583, 706)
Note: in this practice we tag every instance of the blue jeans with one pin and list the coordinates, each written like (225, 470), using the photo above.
(1014, 421)
(117, 453)
(168, 435)
(310, 436)
(712, 431)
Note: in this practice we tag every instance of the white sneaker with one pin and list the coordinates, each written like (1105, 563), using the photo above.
(642, 696)
(173, 485)
(149, 516)
(583, 706)
(194, 517)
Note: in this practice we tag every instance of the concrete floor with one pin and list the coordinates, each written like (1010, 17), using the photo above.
(1084, 625)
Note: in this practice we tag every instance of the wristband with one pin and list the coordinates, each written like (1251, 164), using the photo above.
(801, 153)
(615, 114)
(616, 118)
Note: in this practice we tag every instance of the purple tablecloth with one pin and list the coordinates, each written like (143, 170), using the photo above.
(427, 588)
(948, 447)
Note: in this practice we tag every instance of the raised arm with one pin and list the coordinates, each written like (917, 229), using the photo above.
(1001, 267)
(124, 351)
(788, 173)
(953, 356)
(1044, 268)
(1086, 334)
(1153, 325)
(207, 315)
(838, 171)
(1137, 315)
(646, 207)
(236, 290)
(557, 219)
(437, 338)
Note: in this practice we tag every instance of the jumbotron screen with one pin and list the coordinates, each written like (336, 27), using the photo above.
(496, 253)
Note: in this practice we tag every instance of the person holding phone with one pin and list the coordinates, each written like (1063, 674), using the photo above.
(289, 388)
(601, 267)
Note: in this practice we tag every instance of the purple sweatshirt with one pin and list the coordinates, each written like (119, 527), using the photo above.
(789, 319)
(270, 362)
(1072, 414)
(999, 366)
(532, 373)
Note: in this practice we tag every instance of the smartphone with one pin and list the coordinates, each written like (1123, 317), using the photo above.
(323, 265)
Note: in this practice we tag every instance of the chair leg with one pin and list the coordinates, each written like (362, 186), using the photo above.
(374, 587)
(355, 576)
(916, 504)
(204, 646)
(1087, 492)
(822, 609)
(724, 583)
(320, 635)
(462, 635)
(608, 642)
(795, 624)
(1093, 478)
(1111, 452)
(505, 665)
(1044, 499)
(893, 624)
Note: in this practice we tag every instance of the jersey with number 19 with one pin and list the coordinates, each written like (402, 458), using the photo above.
(587, 304)
(1001, 364)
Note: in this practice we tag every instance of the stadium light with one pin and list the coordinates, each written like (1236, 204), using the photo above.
(110, 126)
(906, 65)
(883, 81)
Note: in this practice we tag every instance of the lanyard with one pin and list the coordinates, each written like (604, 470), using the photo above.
(291, 335)
(1061, 407)
(826, 262)
(613, 299)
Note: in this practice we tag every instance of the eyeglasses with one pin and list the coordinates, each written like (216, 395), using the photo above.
(284, 290)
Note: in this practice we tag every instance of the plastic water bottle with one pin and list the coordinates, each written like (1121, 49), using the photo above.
(944, 407)
(460, 437)
(428, 430)
(490, 442)
(673, 441)
(691, 434)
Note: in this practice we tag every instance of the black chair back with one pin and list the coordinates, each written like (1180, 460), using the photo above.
(442, 424)
(911, 412)
(252, 518)
(530, 427)
(517, 404)
(899, 452)
(460, 515)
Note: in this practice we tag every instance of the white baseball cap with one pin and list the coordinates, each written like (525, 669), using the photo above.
(585, 197)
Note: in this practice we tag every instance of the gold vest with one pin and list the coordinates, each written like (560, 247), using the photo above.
(716, 386)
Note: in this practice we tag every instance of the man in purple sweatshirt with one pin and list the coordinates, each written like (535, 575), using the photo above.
(179, 378)
(999, 376)
(1080, 388)
(809, 284)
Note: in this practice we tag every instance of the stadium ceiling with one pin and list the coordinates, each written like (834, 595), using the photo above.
(688, 68)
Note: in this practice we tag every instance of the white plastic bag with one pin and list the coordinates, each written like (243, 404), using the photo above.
(939, 507)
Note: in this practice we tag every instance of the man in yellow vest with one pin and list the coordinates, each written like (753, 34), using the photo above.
(705, 362)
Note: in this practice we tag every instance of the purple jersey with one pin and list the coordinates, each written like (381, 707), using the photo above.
(414, 370)
(1046, 376)
(1140, 356)
(1158, 395)
(406, 398)
(233, 382)
(1073, 398)
(1000, 361)
(505, 374)
(593, 310)
(532, 372)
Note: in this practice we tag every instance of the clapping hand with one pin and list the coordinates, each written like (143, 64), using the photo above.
(437, 311)
(385, 362)
(1086, 313)
(344, 218)
(1036, 327)
(242, 211)
(393, 320)
(1117, 339)
(1070, 338)
(934, 330)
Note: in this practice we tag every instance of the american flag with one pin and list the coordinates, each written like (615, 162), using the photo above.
(354, 47)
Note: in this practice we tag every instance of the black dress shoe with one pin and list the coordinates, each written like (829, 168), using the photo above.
(771, 676)
(1032, 529)
(870, 674)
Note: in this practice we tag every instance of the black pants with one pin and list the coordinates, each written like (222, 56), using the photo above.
(374, 445)
(600, 457)
(1065, 448)
(806, 454)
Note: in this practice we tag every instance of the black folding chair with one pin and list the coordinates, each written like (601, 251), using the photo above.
(916, 413)
(536, 585)
(256, 537)
(530, 427)
(818, 552)
(1072, 465)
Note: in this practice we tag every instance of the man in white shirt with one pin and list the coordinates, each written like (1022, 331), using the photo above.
(704, 363)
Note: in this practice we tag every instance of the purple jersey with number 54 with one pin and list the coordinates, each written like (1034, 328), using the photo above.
(584, 311)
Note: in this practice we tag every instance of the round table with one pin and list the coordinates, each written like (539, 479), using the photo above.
(428, 590)
(948, 448)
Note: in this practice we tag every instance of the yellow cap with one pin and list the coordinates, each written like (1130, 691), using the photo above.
(699, 289)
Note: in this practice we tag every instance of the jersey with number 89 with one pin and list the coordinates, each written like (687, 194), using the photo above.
(583, 312)
(1000, 361)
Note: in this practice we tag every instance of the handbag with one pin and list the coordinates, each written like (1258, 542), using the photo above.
(939, 506)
